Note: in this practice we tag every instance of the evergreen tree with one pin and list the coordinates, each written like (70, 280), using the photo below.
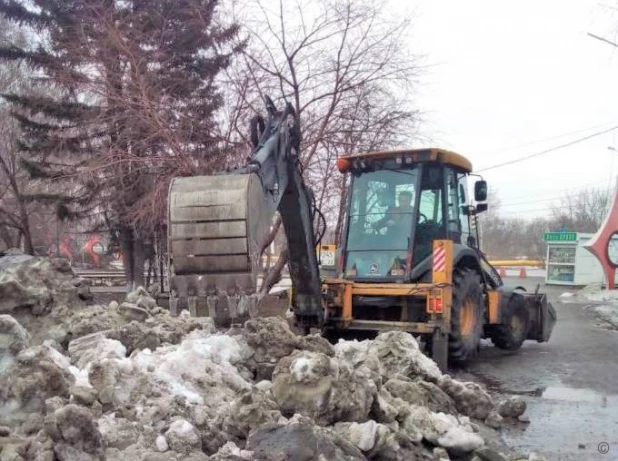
(132, 97)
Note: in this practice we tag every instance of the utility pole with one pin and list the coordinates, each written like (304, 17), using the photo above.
(614, 149)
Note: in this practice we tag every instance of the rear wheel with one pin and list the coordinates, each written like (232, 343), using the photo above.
(466, 316)
(512, 333)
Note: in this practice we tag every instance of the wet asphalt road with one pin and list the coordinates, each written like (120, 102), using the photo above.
(569, 383)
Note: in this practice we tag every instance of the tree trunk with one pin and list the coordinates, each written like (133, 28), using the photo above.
(6, 236)
(273, 234)
(25, 226)
(28, 245)
(139, 260)
(274, 275)
(125, 237)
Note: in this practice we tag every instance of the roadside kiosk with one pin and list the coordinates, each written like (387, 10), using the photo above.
(569, 263)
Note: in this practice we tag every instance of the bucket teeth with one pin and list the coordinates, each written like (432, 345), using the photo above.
(225, 309)
(174, 305)
(192, 304)
(211, 301)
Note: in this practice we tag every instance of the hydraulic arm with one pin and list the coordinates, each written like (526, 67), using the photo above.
(218, 226)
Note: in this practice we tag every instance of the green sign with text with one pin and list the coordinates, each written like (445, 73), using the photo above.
(560, 237)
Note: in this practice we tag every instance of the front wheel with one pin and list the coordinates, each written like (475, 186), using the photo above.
(466, 316)
(513, 331)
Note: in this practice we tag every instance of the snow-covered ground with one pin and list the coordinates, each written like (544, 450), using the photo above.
(603, 302)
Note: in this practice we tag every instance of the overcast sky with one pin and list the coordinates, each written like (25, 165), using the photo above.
(509, 79)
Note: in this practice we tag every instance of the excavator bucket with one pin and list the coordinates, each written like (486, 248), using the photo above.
(216, 225)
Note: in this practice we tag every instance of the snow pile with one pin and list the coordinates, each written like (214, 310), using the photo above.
(324, 388)
(13, 337)
(591, 293)
(271, 339)
(603, 302)
(38, 285)
(128, 381)
(608, 313)
(202, 397)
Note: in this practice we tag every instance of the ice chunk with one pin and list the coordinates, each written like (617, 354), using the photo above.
(161, 443)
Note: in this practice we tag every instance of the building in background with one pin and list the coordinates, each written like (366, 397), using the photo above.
(569, 263)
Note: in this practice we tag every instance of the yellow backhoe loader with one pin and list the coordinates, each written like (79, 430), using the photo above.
(410, 258)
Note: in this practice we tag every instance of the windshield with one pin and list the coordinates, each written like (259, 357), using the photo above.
(381, 216)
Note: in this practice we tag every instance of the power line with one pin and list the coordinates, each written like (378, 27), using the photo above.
(548, 208)
(547, 151)
(544, 192)
(551, 138)
(530, 202)
(544, 198)
(603, 39)
(547, 194)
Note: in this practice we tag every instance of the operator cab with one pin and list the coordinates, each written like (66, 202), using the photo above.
(399, 203)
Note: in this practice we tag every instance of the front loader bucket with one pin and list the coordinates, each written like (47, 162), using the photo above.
(542, 316)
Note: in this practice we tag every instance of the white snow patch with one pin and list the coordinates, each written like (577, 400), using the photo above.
(363, 435)
(603, 296)
(107, 423)
(198, 355)
(353, 351)
(59, 359)
(161, 443)
(125, 365)
(182, 426)
(231, 449)
(457, 437)
(592, 293)
(302, 369)
(264, 385)
(6, 360)
(427, 365)
(442, 429)
(81, 376)
(608, 313)
(109, 349)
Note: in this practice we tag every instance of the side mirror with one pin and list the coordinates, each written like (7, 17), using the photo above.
(468, 210)
(481, 207)
(480, 191)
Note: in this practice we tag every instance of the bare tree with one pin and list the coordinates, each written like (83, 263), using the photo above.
(582, 211)
(507, 237)
(15, 209)
(347, 69)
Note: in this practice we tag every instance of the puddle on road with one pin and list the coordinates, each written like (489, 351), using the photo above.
(568, 394)
(583, 417)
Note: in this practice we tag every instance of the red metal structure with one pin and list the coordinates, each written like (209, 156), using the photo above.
(599, 244)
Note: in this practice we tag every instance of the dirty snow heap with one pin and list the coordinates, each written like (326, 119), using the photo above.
(128, 381)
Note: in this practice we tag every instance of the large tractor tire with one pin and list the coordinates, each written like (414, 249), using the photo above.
(513, 330)
(466, 316)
